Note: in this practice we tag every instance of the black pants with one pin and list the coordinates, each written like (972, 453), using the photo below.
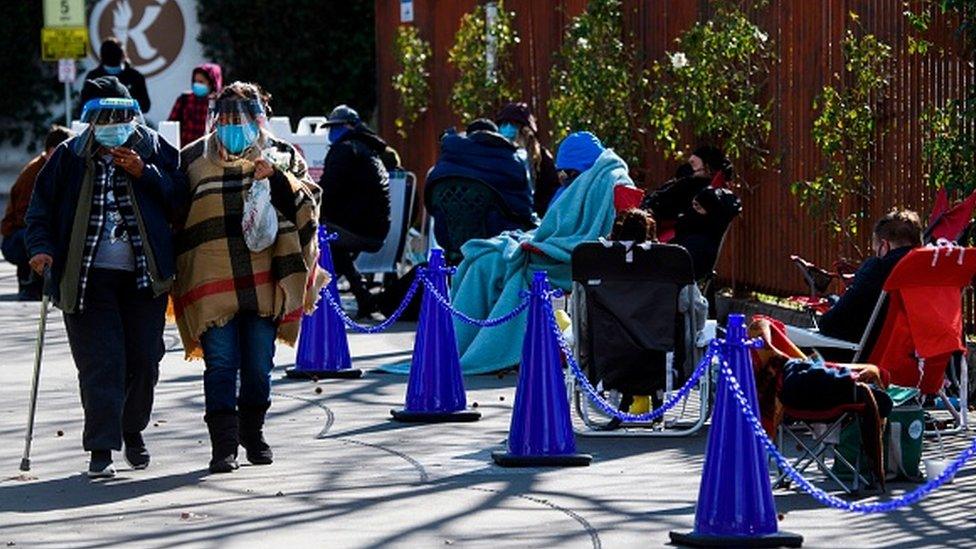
(345, 250)
(117, 343)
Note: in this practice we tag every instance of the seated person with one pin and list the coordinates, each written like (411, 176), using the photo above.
(894, 235)
(707, 167)
(574, 158)
(701, 228)
(517, 123)
(495, 271)
(786, 377)
(481, 153)
(355, 197)
(14, 227)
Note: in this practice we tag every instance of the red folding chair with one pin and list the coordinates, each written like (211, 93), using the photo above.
(923, 329)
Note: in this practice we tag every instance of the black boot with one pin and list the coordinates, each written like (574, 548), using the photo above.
(252, 436)
(223, 439)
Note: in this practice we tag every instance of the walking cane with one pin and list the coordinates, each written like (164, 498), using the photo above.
(25, 461)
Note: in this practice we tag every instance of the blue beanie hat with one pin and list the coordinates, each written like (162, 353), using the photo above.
(579, 152)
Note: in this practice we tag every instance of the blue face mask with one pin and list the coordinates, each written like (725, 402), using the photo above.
(509, 131)
(112, 70)
(237, 137)
(336, 133)
(200, 89)
(113, 135)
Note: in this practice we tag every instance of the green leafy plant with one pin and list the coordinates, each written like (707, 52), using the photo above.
(597, 82)
(846, 131)
(412, 83)
(482, 54)
(310, 56)
(713, 83)
(949, 149)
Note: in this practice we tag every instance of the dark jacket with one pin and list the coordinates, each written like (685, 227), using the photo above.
(849, 317)
(488, 157)
(356, 186)
(674, 197)
(53, 224)
(546, 182)
(131, 79)
(702, 234)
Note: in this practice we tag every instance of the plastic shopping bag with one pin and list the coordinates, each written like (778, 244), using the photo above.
(260, 221)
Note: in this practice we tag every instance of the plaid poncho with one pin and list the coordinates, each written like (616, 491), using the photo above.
(217, 275)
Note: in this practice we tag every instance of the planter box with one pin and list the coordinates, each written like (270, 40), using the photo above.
(725, 305)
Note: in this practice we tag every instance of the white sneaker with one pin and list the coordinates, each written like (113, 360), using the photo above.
(100, 465)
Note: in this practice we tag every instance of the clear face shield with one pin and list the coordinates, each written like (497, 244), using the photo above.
(112, 120)
(238, 123)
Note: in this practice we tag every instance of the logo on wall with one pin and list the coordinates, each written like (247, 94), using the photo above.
(151, 31)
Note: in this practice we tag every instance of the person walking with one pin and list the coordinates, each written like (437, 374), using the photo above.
(192, 108)
(232, 298)
(99, 221)
(114, 62)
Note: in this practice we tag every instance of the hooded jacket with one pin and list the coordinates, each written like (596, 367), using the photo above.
(192, 111)
(488, 157)
(356, 186)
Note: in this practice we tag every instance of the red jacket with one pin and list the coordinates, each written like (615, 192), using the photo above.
(20, 196)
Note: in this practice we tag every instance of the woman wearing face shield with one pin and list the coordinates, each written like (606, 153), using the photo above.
(99, 222)
(232, 302)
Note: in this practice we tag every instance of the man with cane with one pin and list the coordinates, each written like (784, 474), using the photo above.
(99, 221)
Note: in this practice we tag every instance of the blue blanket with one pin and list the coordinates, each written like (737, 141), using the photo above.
(495, 271)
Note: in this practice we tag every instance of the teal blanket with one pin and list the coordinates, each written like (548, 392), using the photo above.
(496, 270)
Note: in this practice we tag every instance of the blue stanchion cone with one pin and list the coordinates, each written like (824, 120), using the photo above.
(435, 391)
(735, 499)
(541, 434)
(323, 350)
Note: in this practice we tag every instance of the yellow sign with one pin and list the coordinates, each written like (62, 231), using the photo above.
(64, 13)
(64, 43)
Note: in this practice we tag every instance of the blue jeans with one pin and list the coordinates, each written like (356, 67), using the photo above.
(246, 344)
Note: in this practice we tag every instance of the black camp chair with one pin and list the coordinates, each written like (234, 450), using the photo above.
(626, 320)
(464, 209)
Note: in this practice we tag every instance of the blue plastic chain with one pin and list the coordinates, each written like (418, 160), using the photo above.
(829, 500)
(608, 408)
(382, 326)
(486, 323)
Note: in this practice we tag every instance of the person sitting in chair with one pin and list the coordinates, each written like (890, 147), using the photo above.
(701, 228)
(706, 167)
(894, 236)
(14, 225)
(483, 154)
(355, 197)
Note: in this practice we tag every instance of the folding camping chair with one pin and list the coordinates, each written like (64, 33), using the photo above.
(921, 328)
(824, 427)
(403, 191)
(465, 209)
(625, 310)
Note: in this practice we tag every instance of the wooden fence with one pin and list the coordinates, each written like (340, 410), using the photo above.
(807, 36)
